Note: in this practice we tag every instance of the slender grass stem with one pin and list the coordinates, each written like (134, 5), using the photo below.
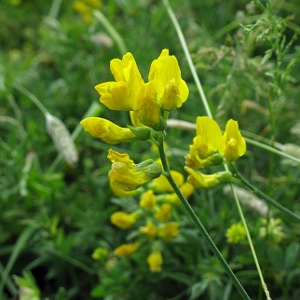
(32, 97)
(268, 199)
(111, 30)
(198, 223)
(188, 57)
(237, 202)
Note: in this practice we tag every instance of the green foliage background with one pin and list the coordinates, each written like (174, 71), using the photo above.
(53, 216)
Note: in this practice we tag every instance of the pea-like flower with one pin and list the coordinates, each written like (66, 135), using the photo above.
(149, 113)
(172, 90)
(204, 181)
(123, 220)
(128, 88)
(106, 130)
(233, 144)
(203, 151)
(127, 175)
(155, 261)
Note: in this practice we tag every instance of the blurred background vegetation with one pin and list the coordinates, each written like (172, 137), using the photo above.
(54, 215)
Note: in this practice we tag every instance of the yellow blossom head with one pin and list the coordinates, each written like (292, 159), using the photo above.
(155, 261)
(126, 92)
(236, 234)
(126, 249)
(172, 90)
(122, 219)
(233, 144)
(148, 200)
(128, 176)
(272, 230)
(149, 230)
(106, 130)
(168, 231)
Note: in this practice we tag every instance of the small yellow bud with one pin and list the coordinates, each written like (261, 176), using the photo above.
(148, 200)
(126, 249)
(168, 231)
(122, 219)
(163, 213)
(155, 261)
(150, 230)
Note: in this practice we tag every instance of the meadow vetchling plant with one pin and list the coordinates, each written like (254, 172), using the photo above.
(149, 104)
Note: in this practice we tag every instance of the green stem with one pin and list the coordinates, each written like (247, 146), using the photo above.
(268, 199)
(237, 202)
(32, 97)
(111, 30)
(188, 57)
(198, 223)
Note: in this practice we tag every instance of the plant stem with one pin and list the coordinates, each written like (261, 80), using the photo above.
(268, 199)
(188, 57)
(111, 30)
(237, 202)
(198, 223)
(32, 97)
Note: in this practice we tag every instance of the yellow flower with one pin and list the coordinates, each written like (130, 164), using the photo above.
(206, 143)
(126, 92)
(162, 185)
(149, 111)
(163, 213)
(172, 90)
(150, 229)
(122, 219)
(126, 249)
(148, 200)
(233, 144)
(236, 234)
(204, 181)
(155, 261)
(168, 231)
(106, 130)
(128, 176)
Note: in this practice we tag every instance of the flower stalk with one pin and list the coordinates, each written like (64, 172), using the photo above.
(198, 223)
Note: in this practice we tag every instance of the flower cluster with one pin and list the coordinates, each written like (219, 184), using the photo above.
(148, 104)
(153, 220)
(210, 147)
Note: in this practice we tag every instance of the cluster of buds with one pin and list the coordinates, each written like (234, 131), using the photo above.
(149, 104)
(210, 148)
(153, 220)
